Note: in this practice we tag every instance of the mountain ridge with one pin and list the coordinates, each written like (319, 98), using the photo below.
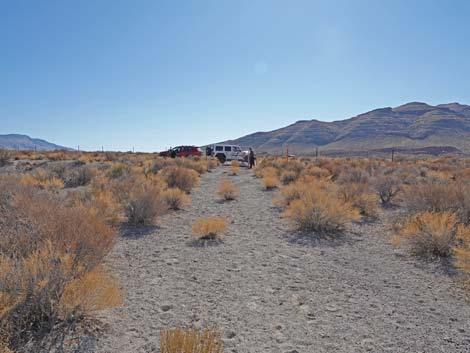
(414, 126)
(25, 142)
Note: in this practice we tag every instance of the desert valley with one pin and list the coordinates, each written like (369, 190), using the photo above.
(131, 252)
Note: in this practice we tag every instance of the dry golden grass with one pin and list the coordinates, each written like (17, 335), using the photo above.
(181, 340)
(194, 163)
(143, 203)
(179, 177)
(228, 190)
(210, 228)
(42, 180)
(288, 177)
(175, 198)
(235, 167)
(462, 249)
(49, 250)
(212, 163)
(92, 292)
(387, 188)
(319, 210)
(271, 182)
(429, 234)
(360, 197)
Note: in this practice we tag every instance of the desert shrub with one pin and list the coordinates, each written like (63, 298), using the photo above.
(228, 190)
(179, 177)
(175, 199)
(270, 182)
(462, 249)
(235, 167)
(443, 196)
(57, 155)
(291, 192)
(212, 163)
(210, 228)
(352, 175)
(116, 171)
(257, 171)
(159, 164)
(317, 172)
(93, 291)
(143, 202)
(387, 188)
(180, 340)
(4, 158)
(191, 163)
(320, 210)
(269, 171)
(45, 248)
(292, 165)
(429, 234)
(102, 202)
(78, 176)
(360, 197)
(42, 179)
(270, 178)
(288, 177)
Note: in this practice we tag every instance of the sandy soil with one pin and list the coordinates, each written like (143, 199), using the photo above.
(269, 290)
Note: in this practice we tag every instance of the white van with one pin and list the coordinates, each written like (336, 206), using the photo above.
(226, 152)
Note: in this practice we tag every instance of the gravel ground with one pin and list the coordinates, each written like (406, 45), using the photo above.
(268, 290)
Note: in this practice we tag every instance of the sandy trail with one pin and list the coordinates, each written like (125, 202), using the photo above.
(267, 290)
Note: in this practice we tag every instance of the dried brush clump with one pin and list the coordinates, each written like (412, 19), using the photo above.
(181, 340)
(42, 179)
(235, 167)
(361, 197)
(179, 177)
(210, 228)
(429, 234)
(50, 256)
(143, 203)
(175, 199)
(228, 190)
(387, 188)
(319, 210)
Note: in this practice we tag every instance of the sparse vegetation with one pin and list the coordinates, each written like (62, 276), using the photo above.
(429, 234)
(387, 188)
(210, 228)
(175, 198)
(228, 190)
(319, 210)
(46, 249)
(4, 158)
(235, 167)
(143, 203)
(179, 177)
(181, 340)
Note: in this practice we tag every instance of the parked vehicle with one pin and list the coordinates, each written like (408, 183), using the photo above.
(226, 152)
(182, 151)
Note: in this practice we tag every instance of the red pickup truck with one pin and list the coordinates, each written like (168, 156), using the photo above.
(182, 151)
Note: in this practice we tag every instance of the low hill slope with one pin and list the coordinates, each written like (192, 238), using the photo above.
(410, 126)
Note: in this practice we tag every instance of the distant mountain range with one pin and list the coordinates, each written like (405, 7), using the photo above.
(24, 142)
(415, 127)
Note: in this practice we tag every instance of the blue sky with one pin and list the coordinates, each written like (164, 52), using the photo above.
(151, 74)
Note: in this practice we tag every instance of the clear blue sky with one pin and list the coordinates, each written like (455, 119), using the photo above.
(155, 73)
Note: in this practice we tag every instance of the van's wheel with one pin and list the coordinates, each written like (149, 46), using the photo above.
(221, 157)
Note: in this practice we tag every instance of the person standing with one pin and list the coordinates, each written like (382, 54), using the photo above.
(251, 158)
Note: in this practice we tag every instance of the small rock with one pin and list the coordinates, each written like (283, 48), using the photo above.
(230, 334)
(166, 307)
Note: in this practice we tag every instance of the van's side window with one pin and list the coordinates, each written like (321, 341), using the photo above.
(228, 148)
(219, 148)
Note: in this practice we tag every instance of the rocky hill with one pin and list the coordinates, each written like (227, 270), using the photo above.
(413, 126)
(24, 142)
